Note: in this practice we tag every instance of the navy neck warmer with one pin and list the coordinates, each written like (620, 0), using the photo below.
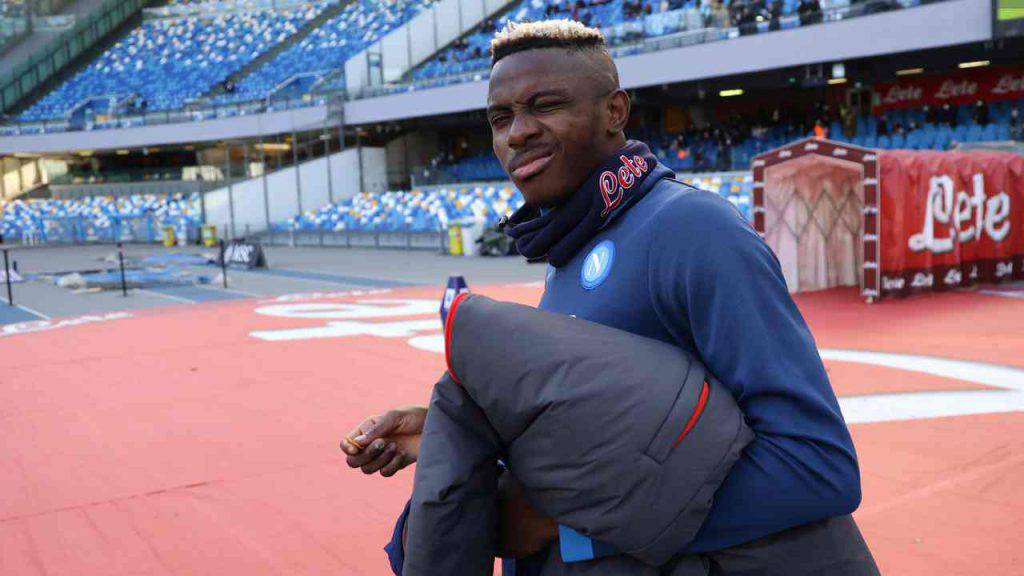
(611, 189)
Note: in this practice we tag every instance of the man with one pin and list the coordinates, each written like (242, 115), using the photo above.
(652, 256)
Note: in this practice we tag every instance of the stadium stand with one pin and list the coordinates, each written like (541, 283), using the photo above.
(100, 218)
(469, 54)
(326, 49)
(433, 209)
(416, 211)
(732, 145)
(167, 63)
(164, 63)
(13, 22)
(138, 217)
(626, 23)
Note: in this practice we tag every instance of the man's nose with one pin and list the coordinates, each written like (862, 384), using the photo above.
(523, 128)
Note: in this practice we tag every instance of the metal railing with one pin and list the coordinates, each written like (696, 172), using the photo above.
(398, 240)
(192, 113)
(215, 8)
(86, 230)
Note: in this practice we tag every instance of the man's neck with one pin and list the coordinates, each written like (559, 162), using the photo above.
(611, 147)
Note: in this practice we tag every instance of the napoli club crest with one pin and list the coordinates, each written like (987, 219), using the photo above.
(597, 265)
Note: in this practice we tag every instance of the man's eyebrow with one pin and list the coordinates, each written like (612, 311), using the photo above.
(533, 97)
(495, 107)
(550, 92)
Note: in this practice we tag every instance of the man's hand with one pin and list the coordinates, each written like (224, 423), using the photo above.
(386, 442)
(522, 530)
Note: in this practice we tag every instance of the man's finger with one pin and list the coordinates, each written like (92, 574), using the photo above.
(352, 444)
(401, 460)
(381, 461)
(369, 430)
(363, 457)
(376, 427)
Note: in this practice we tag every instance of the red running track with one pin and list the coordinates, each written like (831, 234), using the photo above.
(177, 442)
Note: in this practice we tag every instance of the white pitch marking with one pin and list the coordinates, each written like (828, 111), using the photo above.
(857, 409)
(167, 296)
(338, 329)
(33, 311)
(234, 290)
(979, 372)
(431, 343)
(361, 309)
(918, 405)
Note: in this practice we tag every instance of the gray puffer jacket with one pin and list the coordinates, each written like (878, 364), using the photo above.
(621, 437)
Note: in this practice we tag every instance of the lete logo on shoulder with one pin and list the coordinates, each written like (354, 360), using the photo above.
(597, 265)
(614, 184)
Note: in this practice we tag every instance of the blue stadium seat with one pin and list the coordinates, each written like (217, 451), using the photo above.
(99, 218)
(169, 61)
(325, 49)
(416, 211)
(434, 209)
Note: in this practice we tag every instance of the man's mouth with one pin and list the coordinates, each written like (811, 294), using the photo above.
(532, 168)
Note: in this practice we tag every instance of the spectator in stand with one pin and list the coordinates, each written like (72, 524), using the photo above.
(882, 127)
(632, 9)
(775, 15)
(981, 112)
(948, 115)
(746, 19)
(931, 115)
(809, 12)
(849, 120)
(820, 130)
(720, 15)
(1016, 124)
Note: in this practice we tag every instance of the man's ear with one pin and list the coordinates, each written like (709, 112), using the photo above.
(618, 111)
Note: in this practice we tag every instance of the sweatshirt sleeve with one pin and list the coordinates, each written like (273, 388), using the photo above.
(718, 288)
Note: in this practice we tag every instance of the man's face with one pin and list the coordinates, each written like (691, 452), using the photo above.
(548, 125)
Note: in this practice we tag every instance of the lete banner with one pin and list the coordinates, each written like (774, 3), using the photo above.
(950, 219)
(995, 84)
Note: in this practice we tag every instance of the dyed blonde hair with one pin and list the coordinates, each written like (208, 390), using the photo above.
(568, 34)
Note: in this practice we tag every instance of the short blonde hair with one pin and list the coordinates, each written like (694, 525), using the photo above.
(569, 34)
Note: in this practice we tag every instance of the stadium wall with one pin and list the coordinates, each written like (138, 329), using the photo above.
(268, 123)
(252, 205)
(941, 24)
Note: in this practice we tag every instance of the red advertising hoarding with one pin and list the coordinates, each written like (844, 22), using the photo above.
(950, 219)
(918, 91)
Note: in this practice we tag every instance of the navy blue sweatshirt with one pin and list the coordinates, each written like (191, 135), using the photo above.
(683, 266)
